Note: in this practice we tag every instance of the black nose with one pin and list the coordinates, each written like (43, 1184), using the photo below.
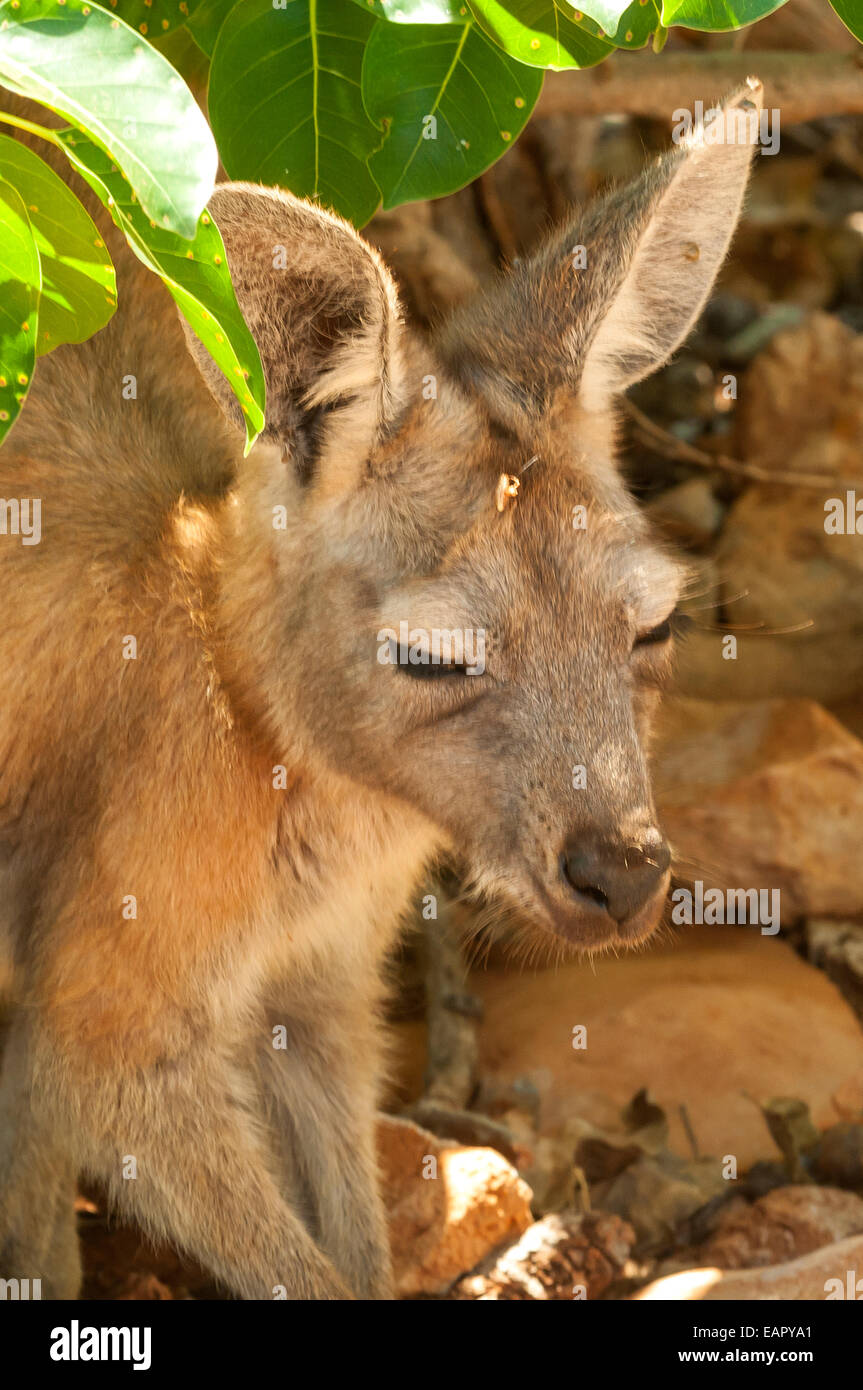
(620, 878)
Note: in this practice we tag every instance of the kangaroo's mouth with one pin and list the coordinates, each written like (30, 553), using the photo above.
(589, 926)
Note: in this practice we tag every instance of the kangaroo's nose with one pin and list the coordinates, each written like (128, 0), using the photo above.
(620, 878)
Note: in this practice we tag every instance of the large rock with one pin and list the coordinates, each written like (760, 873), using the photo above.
(448, 1206)
(825, 665)
(708, 1019)
(792, 591)
(765, 795)
(805, 387)
(833, 1272)
(783, 574)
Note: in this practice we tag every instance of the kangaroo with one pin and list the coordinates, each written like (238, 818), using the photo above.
(245, 701)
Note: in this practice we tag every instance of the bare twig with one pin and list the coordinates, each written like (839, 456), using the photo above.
(659, 439)
(453, 1049)
(451, 1070)
(803, 86)
(690, 1132)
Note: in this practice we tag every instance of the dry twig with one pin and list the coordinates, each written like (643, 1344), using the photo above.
(803, 86)
(660, 440)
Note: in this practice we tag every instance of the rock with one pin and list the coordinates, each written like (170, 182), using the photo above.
(146, 1288)
(764, 1176)
(768, 664)
(837, 949)
(774, 262)
(657, 1194)
(689, 513)
(561, 1257)
(793, 1133)
(838, 1157)
(782, 572)
(764, 795)
(791, 584)
(833, 1272)
(807, 382)
(848, 1098)
(443, 1225)
(786, 1223)
(708, 1020)
(465, 1127)
(792, 590)
(780, 567)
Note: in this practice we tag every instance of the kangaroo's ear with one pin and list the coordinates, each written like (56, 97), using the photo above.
(323, 311)
(610, 296)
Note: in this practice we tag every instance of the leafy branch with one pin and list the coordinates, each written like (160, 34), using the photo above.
(356, 103)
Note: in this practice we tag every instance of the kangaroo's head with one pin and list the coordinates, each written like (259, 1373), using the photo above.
(463, 608)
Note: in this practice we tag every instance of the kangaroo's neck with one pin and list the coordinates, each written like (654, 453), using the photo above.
(327, 827)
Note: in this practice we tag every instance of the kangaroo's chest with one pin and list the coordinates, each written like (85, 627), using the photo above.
(342, 887)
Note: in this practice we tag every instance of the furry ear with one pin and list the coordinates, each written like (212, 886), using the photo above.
(324, 313)
(612, 294)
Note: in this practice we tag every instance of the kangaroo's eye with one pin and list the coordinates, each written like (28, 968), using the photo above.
(426, 670)
(430, 671)
(656, 635)
(674, 625)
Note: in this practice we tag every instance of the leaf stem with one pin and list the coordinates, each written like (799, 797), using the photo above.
(20, 124)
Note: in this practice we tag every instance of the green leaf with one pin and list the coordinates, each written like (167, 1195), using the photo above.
(206, 22)
(194, 271)
(716, 16)
(417, 11)
(79, 290)
(286, 104)
(185, 56)
(606, 13)
(153, 18)
(539, 33)
(851, 14)
(108, 81)
(466, 103)
(20, 287)
(638, 23)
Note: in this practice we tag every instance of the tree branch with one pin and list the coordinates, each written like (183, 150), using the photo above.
(649, 433)
(803, 86)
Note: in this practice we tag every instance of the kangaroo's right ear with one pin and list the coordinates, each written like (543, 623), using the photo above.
(323, 311)
(614, 291)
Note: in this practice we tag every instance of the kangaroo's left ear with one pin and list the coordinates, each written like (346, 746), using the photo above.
(323, 310)
(613, 293)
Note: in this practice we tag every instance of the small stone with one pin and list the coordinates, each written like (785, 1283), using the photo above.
(838, 1158)
(561, 1257)
(837, 949)
(442, 1226)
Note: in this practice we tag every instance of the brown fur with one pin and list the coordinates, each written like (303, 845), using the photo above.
(260, 904)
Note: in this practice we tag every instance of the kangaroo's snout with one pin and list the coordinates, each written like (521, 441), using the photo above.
(618, 878)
